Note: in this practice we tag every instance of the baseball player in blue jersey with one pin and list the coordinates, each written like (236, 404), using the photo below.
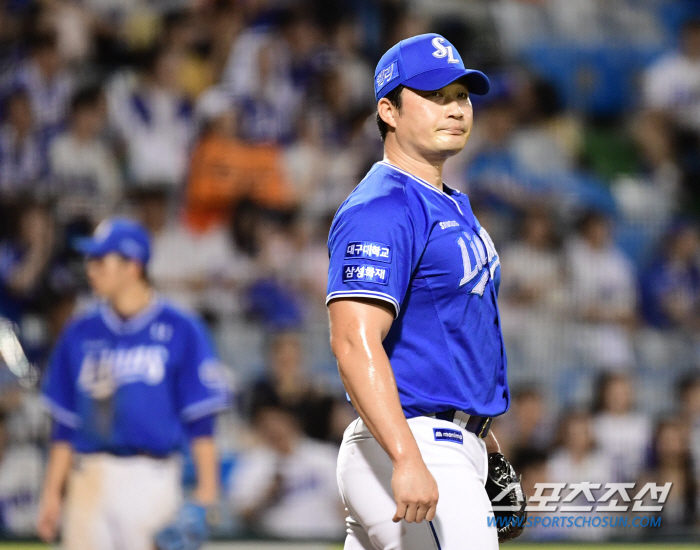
(415, 328)
(128, 381)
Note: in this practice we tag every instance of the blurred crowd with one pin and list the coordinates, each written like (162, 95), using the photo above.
(233, 129)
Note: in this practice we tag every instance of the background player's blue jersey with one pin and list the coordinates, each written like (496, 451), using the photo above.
(128, 387)
(399, 239)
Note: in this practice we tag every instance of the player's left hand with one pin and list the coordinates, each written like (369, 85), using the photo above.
(189, 531)
(49, 516)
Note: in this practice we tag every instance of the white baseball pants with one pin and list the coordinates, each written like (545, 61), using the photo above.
(119, 503)
(460, 470)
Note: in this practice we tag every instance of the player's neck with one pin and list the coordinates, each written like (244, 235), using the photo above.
(132, 300)
(430, 171)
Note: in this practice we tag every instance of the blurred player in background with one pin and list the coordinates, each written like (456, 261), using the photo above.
(127, 382)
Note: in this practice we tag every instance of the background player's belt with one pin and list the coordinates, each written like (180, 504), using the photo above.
(478, 425)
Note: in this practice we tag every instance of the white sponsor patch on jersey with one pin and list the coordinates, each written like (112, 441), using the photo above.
(451, 223)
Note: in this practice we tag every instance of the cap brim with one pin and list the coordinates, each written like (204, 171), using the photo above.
(89, 247)
(476, 81)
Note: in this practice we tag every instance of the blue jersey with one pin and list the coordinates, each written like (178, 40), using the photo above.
(399, 239)
(130, 386)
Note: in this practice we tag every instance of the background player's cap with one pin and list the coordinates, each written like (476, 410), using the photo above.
(425, 62)
(121, 235)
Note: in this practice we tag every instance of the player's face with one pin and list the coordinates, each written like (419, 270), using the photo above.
(435, 124)
(109, 274)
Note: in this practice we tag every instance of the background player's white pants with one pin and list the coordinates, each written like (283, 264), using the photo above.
(119, 503)
(364, 478)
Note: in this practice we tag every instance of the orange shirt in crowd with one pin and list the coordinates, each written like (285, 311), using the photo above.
(225, 170)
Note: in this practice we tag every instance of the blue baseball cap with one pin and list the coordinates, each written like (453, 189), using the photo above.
(121, 235)
(425, 62)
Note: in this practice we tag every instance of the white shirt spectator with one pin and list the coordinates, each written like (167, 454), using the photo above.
(533, 268)
(602, 279)
(673, 84)
(310, 505)
(258, 74)
(595, 467)
(625, 438)
(157, 127)
(49, 99)
(88, 170)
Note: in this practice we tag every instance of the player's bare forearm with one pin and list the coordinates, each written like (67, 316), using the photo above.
(206, 465)
(58, 466)
(357, 332)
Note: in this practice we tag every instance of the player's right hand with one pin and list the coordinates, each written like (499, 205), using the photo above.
(49, 516)
(415, 491)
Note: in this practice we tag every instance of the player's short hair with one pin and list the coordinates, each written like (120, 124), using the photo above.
(394, 97)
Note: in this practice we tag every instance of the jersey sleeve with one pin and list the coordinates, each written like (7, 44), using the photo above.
(371, 248)
(201, 385)
(59, 394)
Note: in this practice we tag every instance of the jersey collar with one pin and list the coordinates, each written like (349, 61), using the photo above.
(447, 194)
(133, 324)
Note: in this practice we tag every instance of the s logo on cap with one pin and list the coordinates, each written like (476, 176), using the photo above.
(442, 51)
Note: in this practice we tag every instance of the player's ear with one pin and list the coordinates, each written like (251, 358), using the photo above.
(387, 112)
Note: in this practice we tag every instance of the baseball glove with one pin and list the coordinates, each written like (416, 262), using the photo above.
(189, 531)
(508, 505)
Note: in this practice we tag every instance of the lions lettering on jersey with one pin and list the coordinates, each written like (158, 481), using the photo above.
(128, 386)
(480, 253)
(444, 265)
(116, 367)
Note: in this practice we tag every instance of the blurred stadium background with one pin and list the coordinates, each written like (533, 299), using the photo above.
(234, 129)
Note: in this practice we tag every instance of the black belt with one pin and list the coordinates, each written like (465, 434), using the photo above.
(478, 425)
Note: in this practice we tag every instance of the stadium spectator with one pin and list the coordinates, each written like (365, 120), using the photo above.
(84, 174)
(21, 150)
(533, 297)
(576, 456)
(196, 270)
(285, 487)
(25, 257)
(688, 392)
(286, 382)
(225, 170)
(604, 294)
(621, 432)
(671, 284)
(183, 36)
(526, 424)
(536, 274)
(260, 74)
(575, 459)
(671, 461)
(47, 82)
(154, 120)
(672, 84)
(660, 193)
(548, 139)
